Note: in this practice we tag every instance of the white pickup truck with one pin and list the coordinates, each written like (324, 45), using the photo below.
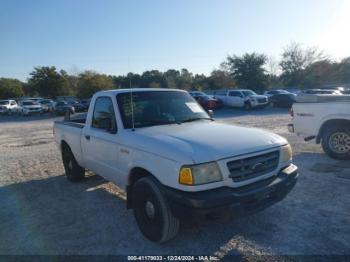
(8, 106)
(242, 98)
(325, 118)
(174, 161)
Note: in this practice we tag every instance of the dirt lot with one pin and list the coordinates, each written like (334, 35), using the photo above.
(42, 213)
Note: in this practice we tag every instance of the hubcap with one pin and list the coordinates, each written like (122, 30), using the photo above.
(150, 211)
(340, 142)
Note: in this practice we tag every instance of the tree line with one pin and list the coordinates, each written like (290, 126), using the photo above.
(298, 67)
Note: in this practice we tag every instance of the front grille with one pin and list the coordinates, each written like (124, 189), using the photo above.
(262, 100)
(251, 167)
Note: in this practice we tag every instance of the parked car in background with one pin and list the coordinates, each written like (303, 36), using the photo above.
(275, 92)
(242, 98)
(86, 103)
(219, 102)
(8, 106)
(206, 101)
(346, 91)
(78, 107)
(321, 92)
(61, 107)
(282, 100)
(325, 118)
(293, 90)
(338, 88)
(30, 107)
(47, 105)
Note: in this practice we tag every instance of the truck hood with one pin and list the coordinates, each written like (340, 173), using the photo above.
(203, 141)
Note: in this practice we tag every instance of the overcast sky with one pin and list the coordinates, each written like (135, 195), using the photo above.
(103, 35)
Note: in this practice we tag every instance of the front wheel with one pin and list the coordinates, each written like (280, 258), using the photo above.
(152, 212)
(336, 142)
(247, 106)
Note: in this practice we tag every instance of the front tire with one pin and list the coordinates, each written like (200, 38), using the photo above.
(336, 142)
(74, 172)
(152, 212)
(247, 106)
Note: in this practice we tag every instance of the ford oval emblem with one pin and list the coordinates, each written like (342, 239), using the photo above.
(257, 167)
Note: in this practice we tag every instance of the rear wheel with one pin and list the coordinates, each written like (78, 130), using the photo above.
(336, 142)
(74, 172)
(152, 212)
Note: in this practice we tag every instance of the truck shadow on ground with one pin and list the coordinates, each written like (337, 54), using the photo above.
(54, 216)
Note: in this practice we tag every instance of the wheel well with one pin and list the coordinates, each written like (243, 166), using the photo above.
(333, 122)
(135, 174)
(64, 145)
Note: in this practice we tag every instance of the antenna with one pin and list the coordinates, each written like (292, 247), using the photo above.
(131, 99)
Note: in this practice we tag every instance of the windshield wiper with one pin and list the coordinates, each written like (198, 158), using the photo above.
(196, 119)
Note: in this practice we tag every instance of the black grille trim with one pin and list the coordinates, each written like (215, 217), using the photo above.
(243, 169)
(262, 100)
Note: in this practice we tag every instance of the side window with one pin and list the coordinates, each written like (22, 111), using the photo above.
(103, 116)
(235, 93)
(13, 103)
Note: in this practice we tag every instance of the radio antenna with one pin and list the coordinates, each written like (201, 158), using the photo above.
(131, 99)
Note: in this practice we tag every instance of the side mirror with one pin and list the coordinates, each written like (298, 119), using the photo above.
(211, 113)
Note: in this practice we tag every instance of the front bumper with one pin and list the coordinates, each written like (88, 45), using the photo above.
(236, 201)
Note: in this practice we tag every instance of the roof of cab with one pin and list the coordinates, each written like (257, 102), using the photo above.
(127, 90)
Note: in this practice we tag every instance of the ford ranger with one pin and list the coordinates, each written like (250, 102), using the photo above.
(173, 160)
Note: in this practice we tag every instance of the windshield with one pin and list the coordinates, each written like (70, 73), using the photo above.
(248, 93)
(4, 102)
(159, 108)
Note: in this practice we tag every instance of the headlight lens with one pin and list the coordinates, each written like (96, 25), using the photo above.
(286, 153)
(200, 174)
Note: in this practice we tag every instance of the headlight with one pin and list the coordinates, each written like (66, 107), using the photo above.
(286, 153)
(200, 174)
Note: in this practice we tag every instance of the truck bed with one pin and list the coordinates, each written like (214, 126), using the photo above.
(315, 98)
(76, 121)
(70, 131)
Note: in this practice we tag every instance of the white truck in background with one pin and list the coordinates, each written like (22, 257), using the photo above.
(174, 161)
(325, 118)
(242, 98)
(8, 106)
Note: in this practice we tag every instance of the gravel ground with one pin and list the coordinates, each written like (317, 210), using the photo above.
(42, 213)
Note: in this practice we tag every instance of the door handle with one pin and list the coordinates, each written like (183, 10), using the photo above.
(87, 137)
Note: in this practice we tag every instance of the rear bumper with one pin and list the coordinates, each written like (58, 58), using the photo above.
(236, 201)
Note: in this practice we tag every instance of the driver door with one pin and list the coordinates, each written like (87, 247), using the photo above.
(99, 140)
